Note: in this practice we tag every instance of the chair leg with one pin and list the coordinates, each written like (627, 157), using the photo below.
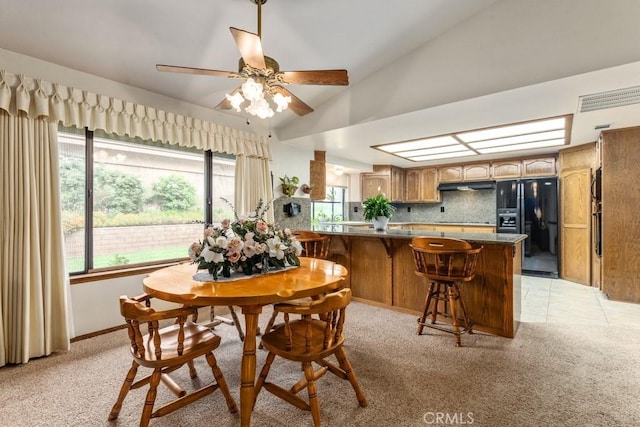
(454, 315)
(351, 376)
(192, 370)
(269, 326)
(124, 390)
(264, 372)
(236, 322)
(147, 410)
(222, 383)
(313, 393)
(427, 304)
(468, 324)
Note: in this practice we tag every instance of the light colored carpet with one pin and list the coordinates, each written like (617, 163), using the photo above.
(549, 375)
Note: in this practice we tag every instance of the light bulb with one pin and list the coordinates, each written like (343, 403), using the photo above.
(235, 100)
(281, 101)
(252, 90)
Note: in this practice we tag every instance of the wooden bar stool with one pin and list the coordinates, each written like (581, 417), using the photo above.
(447, 263)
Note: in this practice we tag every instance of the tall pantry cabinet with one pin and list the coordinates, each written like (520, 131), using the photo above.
(621, 214)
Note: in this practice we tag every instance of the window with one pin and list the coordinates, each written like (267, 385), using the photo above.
(331, 209)
(128, 201)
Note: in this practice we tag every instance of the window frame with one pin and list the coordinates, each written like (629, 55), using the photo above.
(102, 273)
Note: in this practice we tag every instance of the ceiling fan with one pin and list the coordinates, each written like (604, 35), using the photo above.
(262, 77)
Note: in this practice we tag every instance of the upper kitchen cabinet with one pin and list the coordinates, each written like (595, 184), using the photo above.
(539, 167)
(422, 185)
(506, 169)
(465, 172)
(476, 172)
(385, 179)
(450, 173)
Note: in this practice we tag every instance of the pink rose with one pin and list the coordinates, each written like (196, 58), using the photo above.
(233, 256)
(262, 227)
(208, 232)
(225, 223)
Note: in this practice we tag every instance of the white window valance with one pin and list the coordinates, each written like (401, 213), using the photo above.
(80, 108)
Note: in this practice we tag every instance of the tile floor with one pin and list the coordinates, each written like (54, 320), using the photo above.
(561, 301)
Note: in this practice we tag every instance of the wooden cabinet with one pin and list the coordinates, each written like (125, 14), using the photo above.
(506, 169)
(397, 185)
(422, 185)
(539, 167)
(620, 207)
(388, 180)
(465, 172)
(450, 173)
(372, 184)
(476, 172)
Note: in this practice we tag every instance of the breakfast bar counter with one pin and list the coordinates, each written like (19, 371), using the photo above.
(382, 272)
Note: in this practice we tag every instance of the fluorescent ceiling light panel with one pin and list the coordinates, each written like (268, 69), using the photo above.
(513, 130)
(541, 136)
(529, 146)
(418, 144)
(429, 151)
(442, 156)
(519, 136)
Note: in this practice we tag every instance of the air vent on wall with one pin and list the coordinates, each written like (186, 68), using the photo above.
(609, 99)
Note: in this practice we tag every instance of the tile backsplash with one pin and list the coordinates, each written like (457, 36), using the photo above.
(459, 206)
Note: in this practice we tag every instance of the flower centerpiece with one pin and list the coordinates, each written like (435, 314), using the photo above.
(248, 245)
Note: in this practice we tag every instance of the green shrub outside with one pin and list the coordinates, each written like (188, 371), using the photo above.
(174, 192)
(117, 192)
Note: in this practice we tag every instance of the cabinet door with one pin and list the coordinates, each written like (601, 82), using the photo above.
(422, 185)
(429, 185)
(412, 180)
(539, 167)
(450, 173)
(506, 169)
(575, 250)
(477, 172)
(397, 185)
(374, 184)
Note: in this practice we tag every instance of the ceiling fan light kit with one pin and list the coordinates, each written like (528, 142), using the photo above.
(263, 85)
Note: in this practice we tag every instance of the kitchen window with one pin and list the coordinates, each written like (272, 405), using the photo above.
(130, 202)
(332, 208)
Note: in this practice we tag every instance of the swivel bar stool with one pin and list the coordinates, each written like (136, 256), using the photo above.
(447, 263)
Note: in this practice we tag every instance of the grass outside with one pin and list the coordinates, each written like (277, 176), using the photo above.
(156, 254)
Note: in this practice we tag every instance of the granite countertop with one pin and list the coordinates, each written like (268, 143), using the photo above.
(414, 223)
(347, 230)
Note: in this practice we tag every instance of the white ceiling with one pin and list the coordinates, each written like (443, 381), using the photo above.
(417, 68)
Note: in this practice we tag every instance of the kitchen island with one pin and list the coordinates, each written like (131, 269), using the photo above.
(382, 272)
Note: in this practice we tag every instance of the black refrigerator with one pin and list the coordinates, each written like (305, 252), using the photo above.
(530, 206)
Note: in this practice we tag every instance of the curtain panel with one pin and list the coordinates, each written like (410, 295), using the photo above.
(34, 311)
(74, 107)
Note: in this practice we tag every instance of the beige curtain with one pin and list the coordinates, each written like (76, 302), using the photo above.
(80, 108)
(34, 318)
(252, 184)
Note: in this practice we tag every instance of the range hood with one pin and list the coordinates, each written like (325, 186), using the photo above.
(467, 186)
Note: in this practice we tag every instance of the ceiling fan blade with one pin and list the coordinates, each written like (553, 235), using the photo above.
(250, 47)
(225, 104)
(199, 71)
(296, 105)
(315, 77)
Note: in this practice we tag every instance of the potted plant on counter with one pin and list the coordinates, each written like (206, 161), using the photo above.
(378, 210)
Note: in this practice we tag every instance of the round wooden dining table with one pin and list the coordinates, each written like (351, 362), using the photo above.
(251, 293)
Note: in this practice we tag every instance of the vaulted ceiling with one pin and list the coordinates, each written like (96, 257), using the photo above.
(417, 68)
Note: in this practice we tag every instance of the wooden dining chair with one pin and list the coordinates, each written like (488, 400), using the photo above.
(314, 245)
(164, 350)
(310, 341)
